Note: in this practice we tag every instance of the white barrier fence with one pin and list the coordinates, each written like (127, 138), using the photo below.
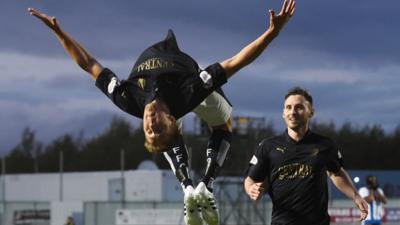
(166, 213)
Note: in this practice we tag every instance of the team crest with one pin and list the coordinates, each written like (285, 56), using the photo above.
(141, 82)
(339, 154)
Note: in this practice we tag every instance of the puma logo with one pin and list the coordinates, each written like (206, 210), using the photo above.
(280, 149)
(314, 151)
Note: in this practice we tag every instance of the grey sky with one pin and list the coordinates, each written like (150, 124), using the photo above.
(345, 52)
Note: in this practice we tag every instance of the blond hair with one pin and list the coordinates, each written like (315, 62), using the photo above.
(163, 142)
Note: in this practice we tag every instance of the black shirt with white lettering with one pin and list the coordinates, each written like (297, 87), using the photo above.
(296, 176)
(181, 92)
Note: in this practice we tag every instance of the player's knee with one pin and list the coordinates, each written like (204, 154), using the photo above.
(227, 126)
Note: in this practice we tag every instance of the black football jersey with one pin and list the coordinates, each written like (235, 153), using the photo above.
(296, 176)
(181, 92)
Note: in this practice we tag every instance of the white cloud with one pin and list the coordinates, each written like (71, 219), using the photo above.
(20, 67)
(321, 75)
(306, 66)
(26, 100)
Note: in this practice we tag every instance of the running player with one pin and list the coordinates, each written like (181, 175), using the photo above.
(295, 166)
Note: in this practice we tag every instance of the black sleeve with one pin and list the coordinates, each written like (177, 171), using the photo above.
(196, 88)
(258, 165)
(115, 90)
(217, 74)
(335, 161)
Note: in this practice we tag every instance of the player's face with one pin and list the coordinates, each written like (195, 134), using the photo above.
(373, 181)
(156, 123)
(297, 112)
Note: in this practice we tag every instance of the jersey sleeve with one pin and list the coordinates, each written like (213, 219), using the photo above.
(364, 192)
(196, 88)
(335, 160)
(116, 91)
(258, 165)
(381, 191)
(213, 76)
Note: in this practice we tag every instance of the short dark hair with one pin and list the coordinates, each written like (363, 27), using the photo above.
(372, 182)
(369, 178)
(300, 91)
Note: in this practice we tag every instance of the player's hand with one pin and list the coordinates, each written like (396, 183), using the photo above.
(256, 191)
(362, 205)
(277, 22)
(50, 21)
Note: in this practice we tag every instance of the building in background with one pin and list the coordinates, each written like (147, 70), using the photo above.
(148, 196)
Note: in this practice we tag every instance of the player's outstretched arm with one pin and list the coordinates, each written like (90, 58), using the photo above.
(343, 182)
(253, 189)
(74, 49)
(255, 48)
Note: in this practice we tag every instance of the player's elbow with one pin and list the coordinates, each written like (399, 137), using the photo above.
(92, 67)
(231, 66)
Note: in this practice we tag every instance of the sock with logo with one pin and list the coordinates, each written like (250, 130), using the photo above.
(217, 150)
(178, 159)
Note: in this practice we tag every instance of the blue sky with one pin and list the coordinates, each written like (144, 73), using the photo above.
(345, 52)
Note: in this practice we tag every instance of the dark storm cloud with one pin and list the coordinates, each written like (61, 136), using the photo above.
(357, 30)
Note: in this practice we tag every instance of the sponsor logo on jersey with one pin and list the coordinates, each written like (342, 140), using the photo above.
(294, 170)
(154, 63)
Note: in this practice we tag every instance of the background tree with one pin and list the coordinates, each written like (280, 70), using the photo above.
(367, 147)
(23, 158)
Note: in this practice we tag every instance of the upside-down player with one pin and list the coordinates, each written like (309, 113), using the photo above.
(164, 85)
